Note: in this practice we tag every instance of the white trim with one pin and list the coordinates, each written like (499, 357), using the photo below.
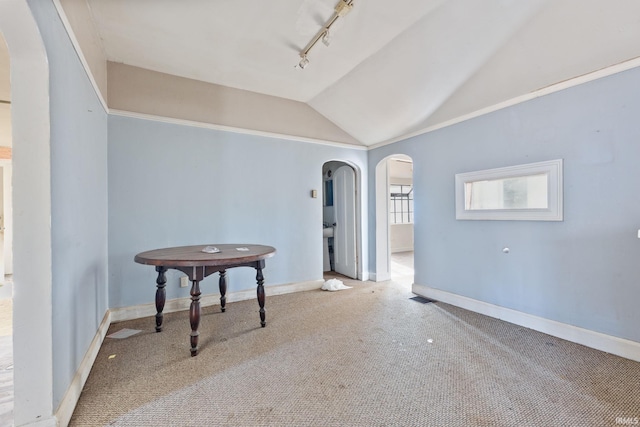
(380, 277)
(557, 87)
(597, 340)
(193, 123)
(553, 169)
(76, 46)
(71, 397)
(32, 306)
(382, 227)
(403, 249)
(49, 422)
(181, 304)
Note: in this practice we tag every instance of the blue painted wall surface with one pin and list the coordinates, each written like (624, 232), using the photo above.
(79, 202)
(174, 185)
(584, 271)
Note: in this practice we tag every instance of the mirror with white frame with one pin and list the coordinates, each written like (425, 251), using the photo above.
(530, 192)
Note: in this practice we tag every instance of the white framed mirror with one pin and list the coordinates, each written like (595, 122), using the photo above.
(530, 192)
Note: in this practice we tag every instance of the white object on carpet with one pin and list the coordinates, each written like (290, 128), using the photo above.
(334, 285)
(123, 333)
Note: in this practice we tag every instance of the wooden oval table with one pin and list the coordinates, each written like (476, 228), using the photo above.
(196, 264)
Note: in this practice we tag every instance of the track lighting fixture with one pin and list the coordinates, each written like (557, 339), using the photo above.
(342, 8)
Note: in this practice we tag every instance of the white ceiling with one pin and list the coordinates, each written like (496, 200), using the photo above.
(393, 68)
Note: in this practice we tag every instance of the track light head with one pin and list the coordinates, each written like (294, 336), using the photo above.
(304, 61)
(343, 7)
(326, 37)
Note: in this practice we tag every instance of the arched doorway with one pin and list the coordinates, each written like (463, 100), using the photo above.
(394, 219)
(341, 219)
(32, 311)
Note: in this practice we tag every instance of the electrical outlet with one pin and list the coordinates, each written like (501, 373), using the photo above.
(184, 281)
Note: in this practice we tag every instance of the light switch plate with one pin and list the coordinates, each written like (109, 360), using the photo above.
(184, 281)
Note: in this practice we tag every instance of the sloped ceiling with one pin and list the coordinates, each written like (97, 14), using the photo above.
(392, 69)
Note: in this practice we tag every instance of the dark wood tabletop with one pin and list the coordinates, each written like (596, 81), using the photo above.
(192, 256)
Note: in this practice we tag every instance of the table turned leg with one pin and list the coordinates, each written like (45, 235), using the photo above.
(260, 280)
(161, 296)
(223, 289)
(194, 316)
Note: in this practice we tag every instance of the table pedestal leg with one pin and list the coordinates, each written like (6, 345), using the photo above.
(194, 316)
(161, 296)
(260, 280)
(223, 289)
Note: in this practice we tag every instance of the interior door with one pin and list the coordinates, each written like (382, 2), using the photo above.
(344, 233)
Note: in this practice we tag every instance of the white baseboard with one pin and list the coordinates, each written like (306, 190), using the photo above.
(607, 343)
(70, 399)
(180, 304)
(404, 249)
(382, 277)
(49, 422)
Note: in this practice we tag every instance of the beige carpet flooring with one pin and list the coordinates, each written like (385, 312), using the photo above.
(367, 356)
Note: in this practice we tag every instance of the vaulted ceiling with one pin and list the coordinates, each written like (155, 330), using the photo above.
(392, 69)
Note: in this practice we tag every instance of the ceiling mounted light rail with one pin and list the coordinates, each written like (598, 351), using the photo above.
(342, 8)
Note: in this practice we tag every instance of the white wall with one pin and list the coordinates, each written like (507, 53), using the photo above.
(401, 237)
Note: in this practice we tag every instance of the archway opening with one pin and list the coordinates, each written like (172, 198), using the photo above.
(401, 219)
(341, 231)
(394, 219)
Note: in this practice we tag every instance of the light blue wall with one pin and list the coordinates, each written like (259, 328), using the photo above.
(79, 202)
(584, 271)
(174, 185)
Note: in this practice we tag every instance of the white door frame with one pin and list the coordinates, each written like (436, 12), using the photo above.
(383, 244)
(32, 311)
(362, 275)
(7, 259)
(383, 257)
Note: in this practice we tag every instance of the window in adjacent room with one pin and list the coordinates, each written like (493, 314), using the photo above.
(401, 204)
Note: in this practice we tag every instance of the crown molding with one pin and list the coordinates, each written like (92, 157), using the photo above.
(213, 126)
